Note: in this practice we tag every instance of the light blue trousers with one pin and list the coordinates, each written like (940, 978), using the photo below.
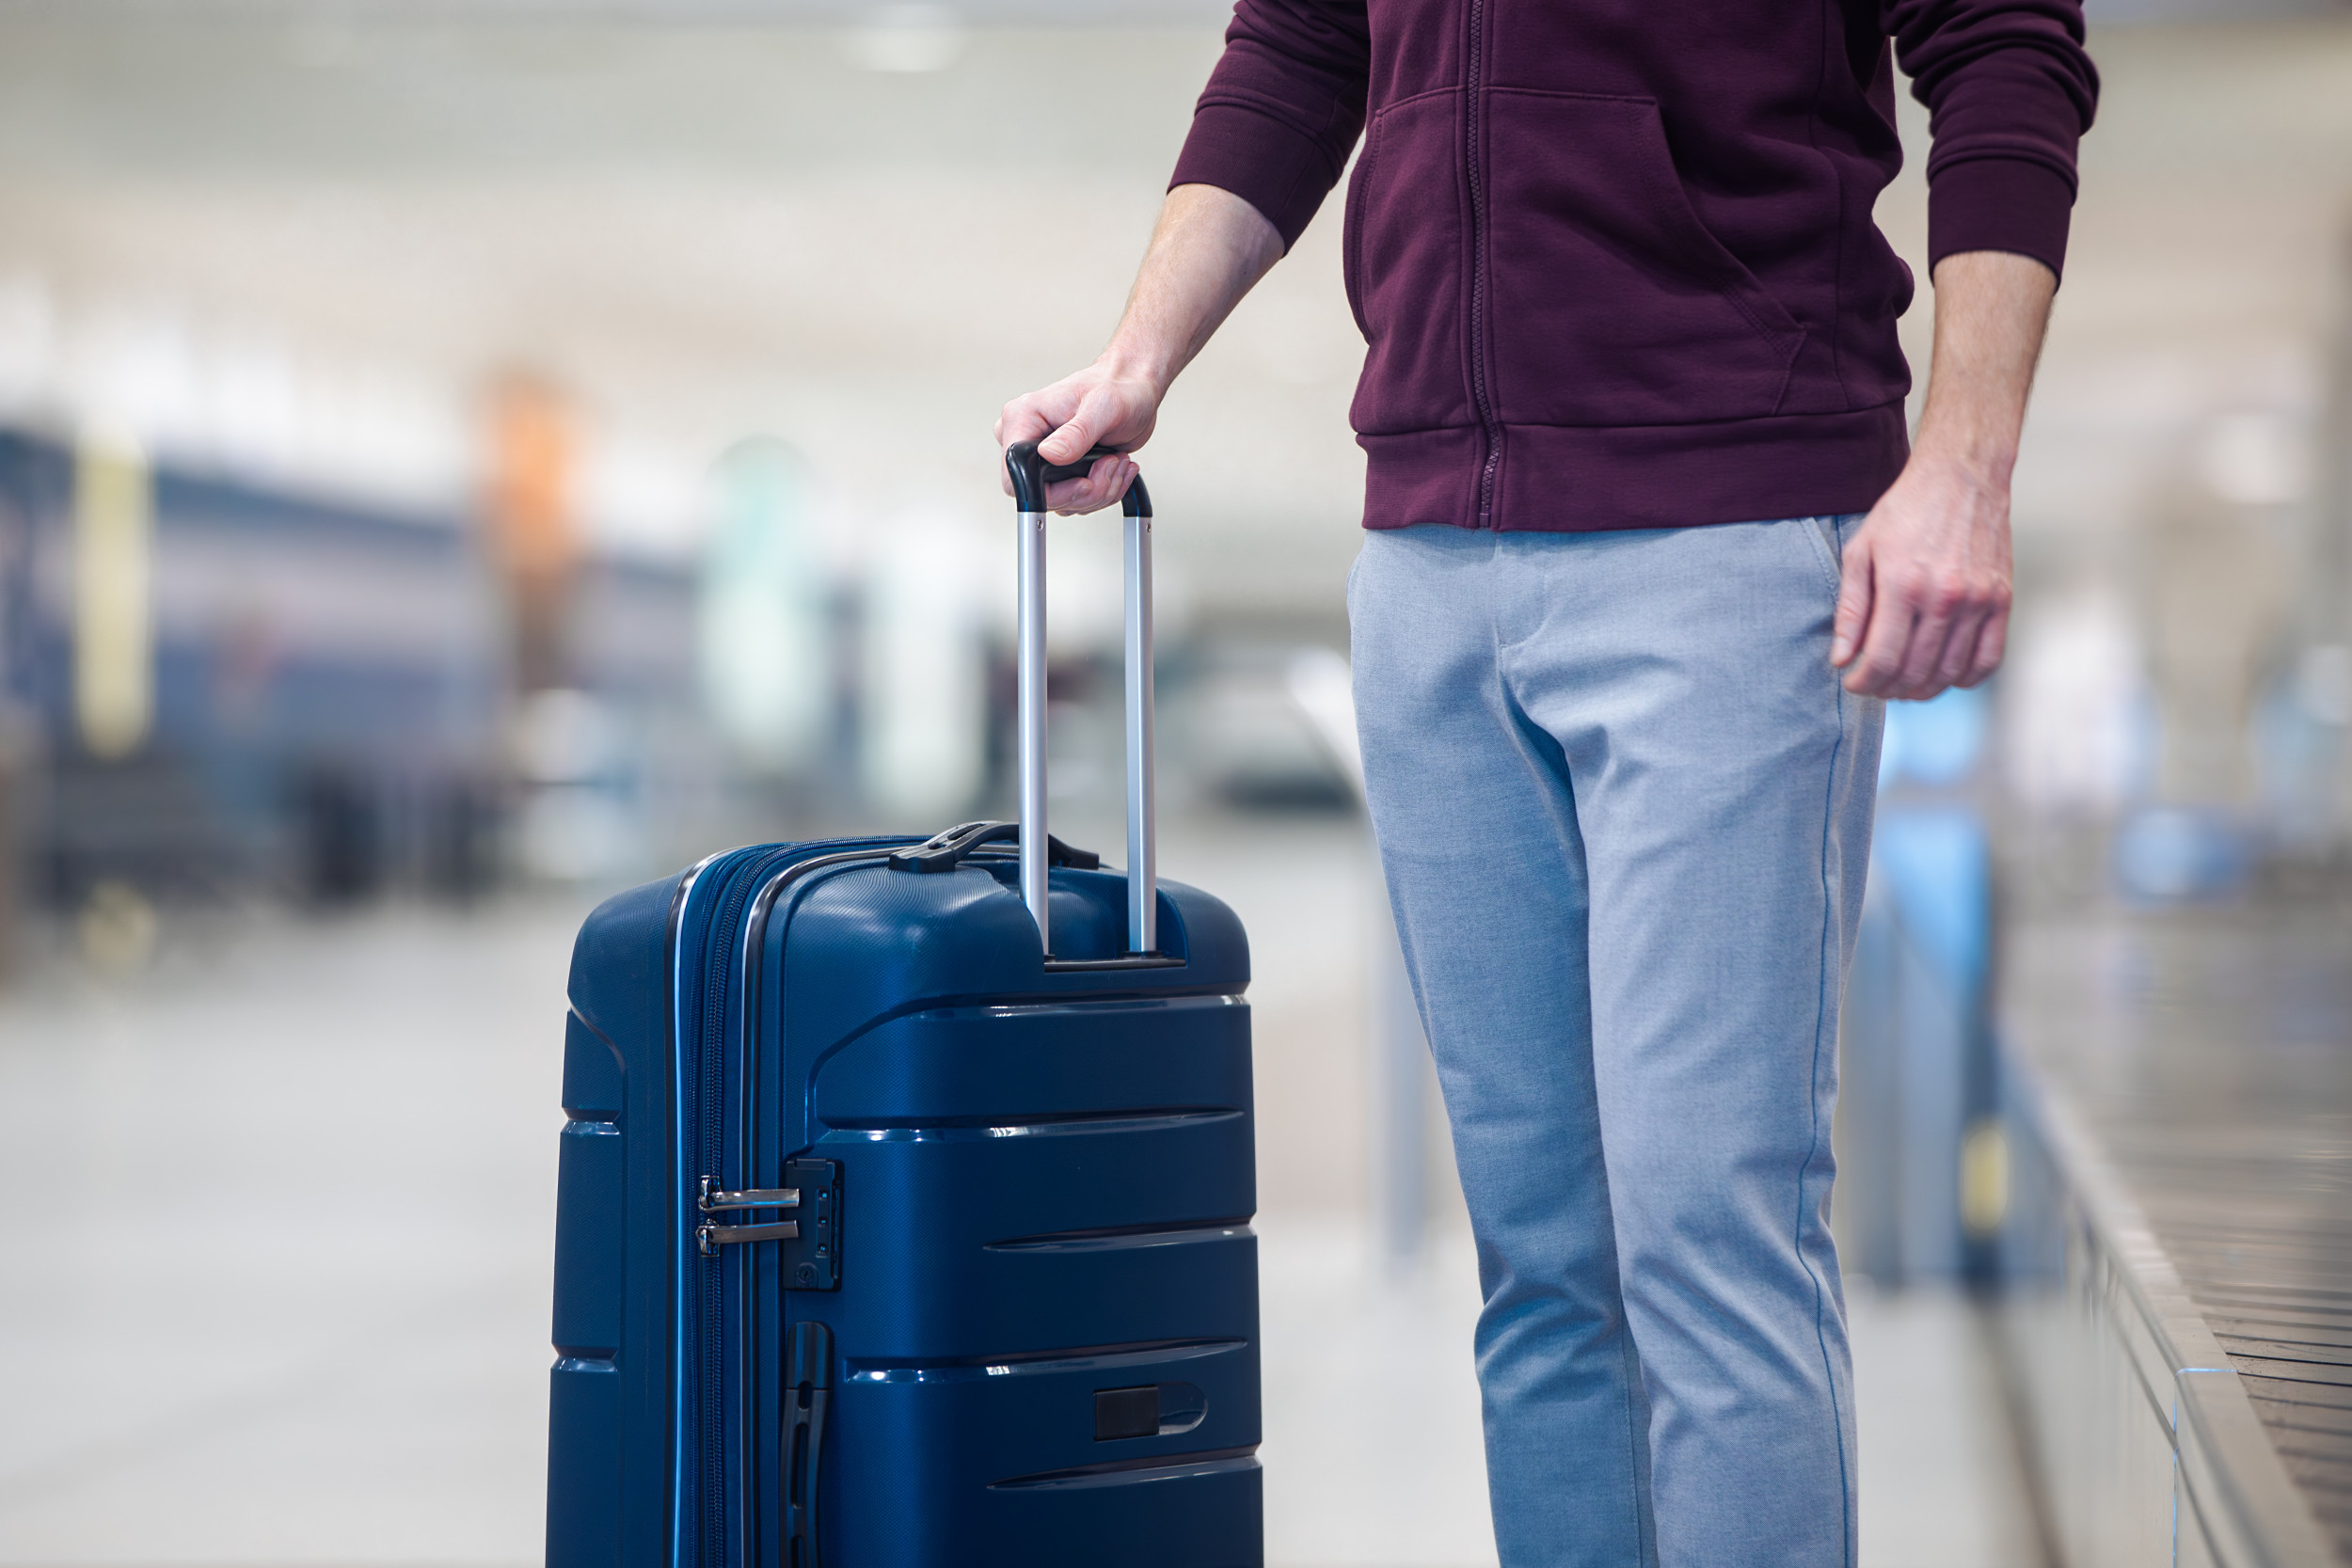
(1623, 807)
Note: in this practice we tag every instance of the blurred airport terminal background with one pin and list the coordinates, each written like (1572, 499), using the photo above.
(461, 457)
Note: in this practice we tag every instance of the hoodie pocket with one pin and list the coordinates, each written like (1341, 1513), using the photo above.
(1607, 301)
(1404, 244)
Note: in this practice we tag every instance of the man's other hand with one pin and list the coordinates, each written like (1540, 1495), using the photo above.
(1923, 597)
(1923, 601)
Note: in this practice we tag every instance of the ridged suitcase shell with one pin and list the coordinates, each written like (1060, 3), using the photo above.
(1046, 1179)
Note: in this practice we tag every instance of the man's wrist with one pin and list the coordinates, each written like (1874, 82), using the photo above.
(1982, 460)
(1123, 361)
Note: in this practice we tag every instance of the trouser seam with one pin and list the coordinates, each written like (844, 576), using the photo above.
(1820, 1023)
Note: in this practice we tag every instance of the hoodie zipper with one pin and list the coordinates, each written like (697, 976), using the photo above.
(1479, 393)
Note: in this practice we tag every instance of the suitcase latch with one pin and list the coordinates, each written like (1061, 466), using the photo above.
(811, 1254)
(710, 1235)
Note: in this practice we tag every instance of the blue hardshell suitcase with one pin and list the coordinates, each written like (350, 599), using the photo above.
(904, 1203)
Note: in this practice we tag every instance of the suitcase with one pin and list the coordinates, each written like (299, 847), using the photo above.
(903, 1206)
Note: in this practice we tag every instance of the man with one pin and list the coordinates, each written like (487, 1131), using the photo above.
(1638, 489)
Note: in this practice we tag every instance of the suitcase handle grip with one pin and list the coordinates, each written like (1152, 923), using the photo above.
(1031, 474)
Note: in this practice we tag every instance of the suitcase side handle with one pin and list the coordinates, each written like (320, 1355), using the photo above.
(807, 1398)
(1031, 474)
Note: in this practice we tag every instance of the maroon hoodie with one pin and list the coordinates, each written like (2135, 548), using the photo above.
(1614, 258)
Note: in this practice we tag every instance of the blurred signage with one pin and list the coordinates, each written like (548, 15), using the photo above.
(114, 634)
(533, 455)
(765, 625)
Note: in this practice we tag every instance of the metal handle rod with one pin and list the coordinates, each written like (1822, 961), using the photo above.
(1143, 899)
(1031, 637)
(1031, 474)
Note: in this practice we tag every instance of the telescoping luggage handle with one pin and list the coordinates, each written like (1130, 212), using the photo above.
(1030, 475)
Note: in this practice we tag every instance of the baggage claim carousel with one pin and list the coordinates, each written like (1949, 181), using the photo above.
(2175, 1235)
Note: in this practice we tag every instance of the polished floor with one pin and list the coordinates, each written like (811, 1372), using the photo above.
(275, 1211)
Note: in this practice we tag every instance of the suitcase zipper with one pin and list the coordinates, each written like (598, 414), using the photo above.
(710, 1089)
(709, 1357)
(711, 1238)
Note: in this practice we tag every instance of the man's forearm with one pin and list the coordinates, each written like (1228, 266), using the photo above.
(1991, 311)
(1209, 250)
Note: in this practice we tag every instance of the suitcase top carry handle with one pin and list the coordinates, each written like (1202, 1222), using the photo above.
(948, 850)
(1030, 475)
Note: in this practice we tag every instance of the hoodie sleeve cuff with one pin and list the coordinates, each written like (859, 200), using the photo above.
(2010, 205)
(1279, 171)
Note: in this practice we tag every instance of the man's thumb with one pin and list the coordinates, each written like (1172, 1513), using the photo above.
(1069, 443)
(1856, 588)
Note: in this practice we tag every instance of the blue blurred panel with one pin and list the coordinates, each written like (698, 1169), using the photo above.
(1936, 864)
(2170, 854)
(1936, 743)
(1914, 1040)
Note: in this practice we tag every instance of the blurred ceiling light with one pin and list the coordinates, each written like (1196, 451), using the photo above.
(2254, 458)
(908, 38)
(641, 497)
(239, 399)
(255, 405)
(133, 370)
(366, 429)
